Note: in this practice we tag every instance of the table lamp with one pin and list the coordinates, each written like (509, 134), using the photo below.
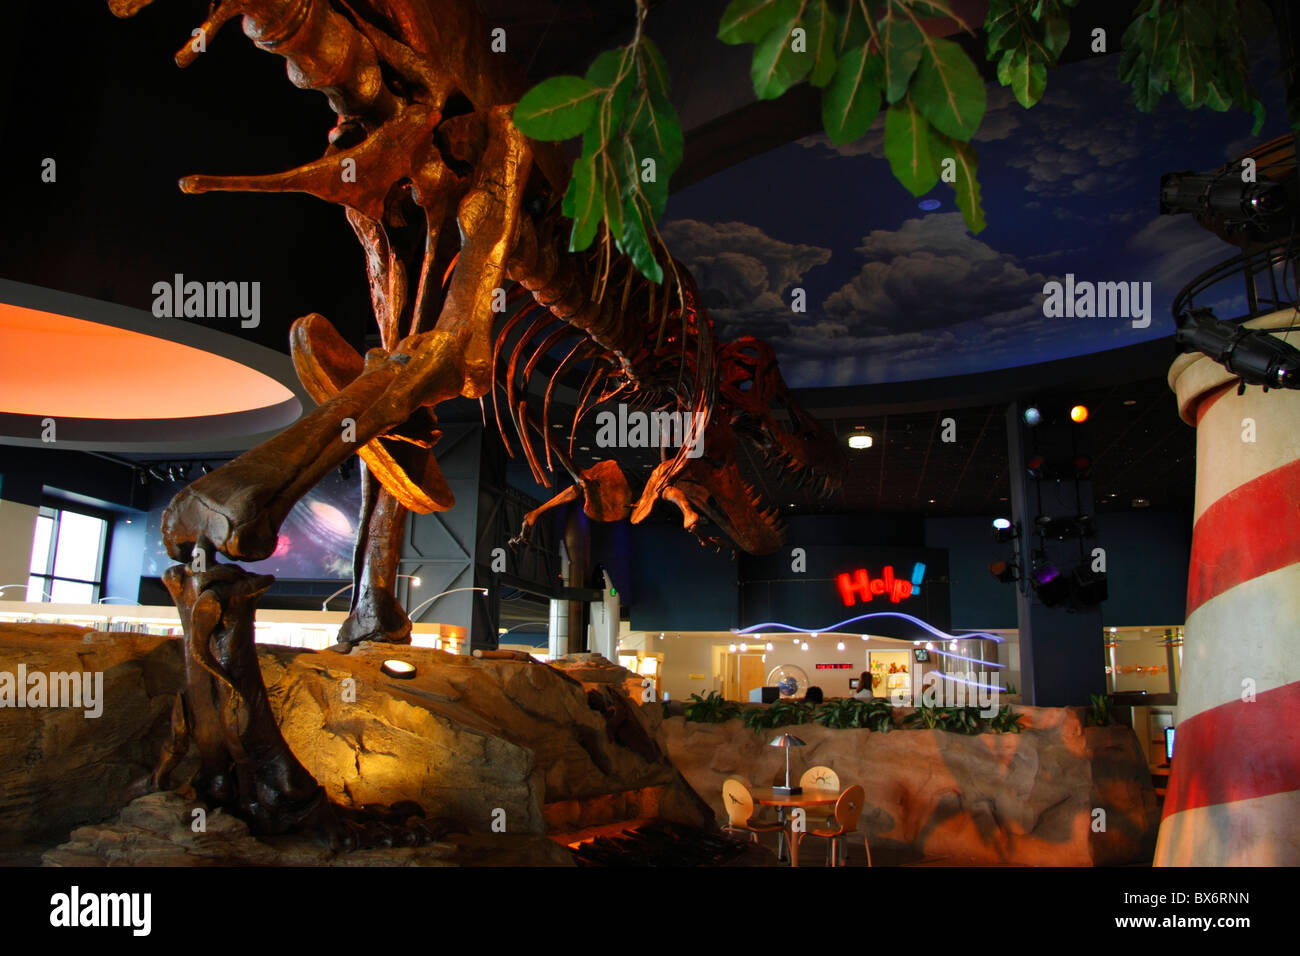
(786, 741)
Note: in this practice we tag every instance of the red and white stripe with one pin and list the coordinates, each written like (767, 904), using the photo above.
(1234, 789)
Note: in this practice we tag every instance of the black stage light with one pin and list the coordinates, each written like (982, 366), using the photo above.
(1057, 528)
(206, 468)
(1088, 587)
(1048, 583)
(1216, 194)
(1037, 467)
(1253, 355)
(1004, 530)
(1004, 571)
(1085, 526)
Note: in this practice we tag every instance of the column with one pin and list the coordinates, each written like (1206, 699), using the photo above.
(1234, 787)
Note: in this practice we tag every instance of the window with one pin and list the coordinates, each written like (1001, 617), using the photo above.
(67, 557)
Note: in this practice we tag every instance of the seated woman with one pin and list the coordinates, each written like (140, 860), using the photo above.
(864, 687)
(814, 695)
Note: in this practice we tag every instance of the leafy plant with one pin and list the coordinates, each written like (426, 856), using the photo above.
(631, 145)
(779, 714)
(1005, 722)
(861, 57)
(1098, 713)
(1197, 49)
(848, 712)
(955, 720)
(865, 56)
(1026, 37)
(713, 709)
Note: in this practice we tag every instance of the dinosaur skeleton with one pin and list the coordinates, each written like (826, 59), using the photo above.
(452, 206)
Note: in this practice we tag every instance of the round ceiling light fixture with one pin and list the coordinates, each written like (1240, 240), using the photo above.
(860, 440)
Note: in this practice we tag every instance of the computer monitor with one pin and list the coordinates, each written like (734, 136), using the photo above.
(1169, 743)
(920, 655)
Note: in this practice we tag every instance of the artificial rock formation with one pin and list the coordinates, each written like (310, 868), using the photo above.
(1025, 798)
(474, 742)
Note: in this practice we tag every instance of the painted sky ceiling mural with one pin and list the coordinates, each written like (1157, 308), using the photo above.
(897, 292)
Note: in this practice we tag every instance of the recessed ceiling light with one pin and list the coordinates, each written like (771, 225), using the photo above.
(1141, 502)
(1130, 401)
(860, 440)
(583, 448)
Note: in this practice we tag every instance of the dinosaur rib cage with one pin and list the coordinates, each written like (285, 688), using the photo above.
(653, 344)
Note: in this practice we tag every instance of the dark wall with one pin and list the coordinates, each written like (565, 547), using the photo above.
(27, 471)
(1147, 554)
(680, 585)
(978, 599)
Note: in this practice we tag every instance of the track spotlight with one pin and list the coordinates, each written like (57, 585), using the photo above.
(1004, 571)
(158, 473)
(1253, 355)
(1079, 414)
(1088, 587)
(1048, 583)
(1004, 530)
(1033, 416)
(205, 468)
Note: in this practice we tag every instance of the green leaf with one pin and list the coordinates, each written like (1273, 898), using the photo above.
(641, 147)
(655, 131)
(604, 72)
(654, 70)
(558, 108)
(1056, 34)
(948, 89)
(584, 202)
(634, 241)
(902, 45)
(853, 31)
(1005, 34)
(748, 21)
(1189, 78)
(966, 187)
(1026, 76)
(822, 27)
(776, 66)
(851, 102)
(907, 147)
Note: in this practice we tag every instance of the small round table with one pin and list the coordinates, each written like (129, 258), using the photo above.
(810, 797)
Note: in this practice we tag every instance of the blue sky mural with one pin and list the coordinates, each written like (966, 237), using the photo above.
(897, 292)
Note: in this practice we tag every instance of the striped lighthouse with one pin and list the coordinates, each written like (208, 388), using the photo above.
(1234, 787)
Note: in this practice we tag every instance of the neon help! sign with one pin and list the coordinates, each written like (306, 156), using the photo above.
(860, 584)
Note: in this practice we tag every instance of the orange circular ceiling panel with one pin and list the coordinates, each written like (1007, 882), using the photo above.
(57, 366)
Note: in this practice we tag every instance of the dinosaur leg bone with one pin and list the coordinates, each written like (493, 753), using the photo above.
(240, 506)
